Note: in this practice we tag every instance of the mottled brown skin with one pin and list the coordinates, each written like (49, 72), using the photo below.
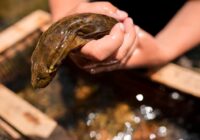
(66, 37)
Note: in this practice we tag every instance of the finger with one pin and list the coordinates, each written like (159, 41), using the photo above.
(136, 59)
(106, 46)
(135, 45)
(96, 70)
(119, 15)
(105, 8)
(145, 47)
(125, 60)
(129, 39)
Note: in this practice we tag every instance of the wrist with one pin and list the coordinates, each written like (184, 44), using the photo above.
(169, 49)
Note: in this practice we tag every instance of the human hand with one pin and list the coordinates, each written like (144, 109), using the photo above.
(106, 8)
(149, 52)
(119, 44)
(131, 49)
(145, 51)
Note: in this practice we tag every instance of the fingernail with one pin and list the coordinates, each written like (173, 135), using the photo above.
(121, 14)
(138, 31)
(121, 26)
(131, 20)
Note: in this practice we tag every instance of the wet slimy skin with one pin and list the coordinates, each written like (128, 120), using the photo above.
(66, 37)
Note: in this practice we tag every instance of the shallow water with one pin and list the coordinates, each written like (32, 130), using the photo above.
(120, 105)
(116, 106)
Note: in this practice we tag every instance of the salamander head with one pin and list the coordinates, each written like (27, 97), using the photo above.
(41, 75)
(43, 61)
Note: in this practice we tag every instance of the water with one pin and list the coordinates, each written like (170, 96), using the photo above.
(117, 106)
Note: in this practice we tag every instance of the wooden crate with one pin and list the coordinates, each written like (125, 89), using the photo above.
(18, 117)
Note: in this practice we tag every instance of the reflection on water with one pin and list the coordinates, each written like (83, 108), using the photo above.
(123, 124)
(117, 106)
(139, 97)
(127, 134)
(147, 112)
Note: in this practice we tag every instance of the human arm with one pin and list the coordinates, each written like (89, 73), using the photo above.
(181, 34)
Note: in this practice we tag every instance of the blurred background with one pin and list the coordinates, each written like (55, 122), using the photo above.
(13, 10)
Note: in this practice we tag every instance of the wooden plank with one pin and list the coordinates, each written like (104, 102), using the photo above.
(178, 77)
(9, 130)
(23, 28)
(17, 58)
(27, 119)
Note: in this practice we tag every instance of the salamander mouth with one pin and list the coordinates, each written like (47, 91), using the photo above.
(41, 82)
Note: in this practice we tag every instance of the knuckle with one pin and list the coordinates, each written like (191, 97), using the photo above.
(108, 4)
(109, 7)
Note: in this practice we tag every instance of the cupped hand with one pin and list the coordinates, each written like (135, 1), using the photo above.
(139, 48)
(121, 41)
(118, 44)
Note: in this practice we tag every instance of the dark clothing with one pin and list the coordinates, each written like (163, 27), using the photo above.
(151, 15)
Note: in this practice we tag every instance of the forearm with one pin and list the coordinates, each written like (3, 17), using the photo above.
(63, 7)
(183, 31)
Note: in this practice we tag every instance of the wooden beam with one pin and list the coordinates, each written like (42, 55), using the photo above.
(9, 130)
(23, 28)
(27, 119)
(178, 77)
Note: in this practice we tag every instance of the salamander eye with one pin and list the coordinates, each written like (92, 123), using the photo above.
(42, 76)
